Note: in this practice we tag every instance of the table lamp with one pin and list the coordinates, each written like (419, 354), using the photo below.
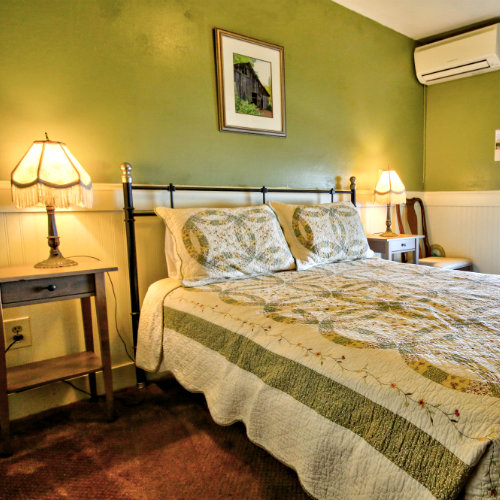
(48, 174)
(389, 190)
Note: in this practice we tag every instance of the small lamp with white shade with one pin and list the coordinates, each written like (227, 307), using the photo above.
(48, 174)
(389, 190)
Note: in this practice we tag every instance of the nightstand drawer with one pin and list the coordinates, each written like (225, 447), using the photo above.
(47, 288)
(402, 245)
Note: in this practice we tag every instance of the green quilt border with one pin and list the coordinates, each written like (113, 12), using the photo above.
(410, 448)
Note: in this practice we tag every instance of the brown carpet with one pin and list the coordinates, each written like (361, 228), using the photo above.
(167, 447)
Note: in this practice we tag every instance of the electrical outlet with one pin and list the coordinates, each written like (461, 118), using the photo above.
(17, 326)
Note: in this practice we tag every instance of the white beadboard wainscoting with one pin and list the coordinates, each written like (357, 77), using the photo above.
(466, 224)
(471, 230)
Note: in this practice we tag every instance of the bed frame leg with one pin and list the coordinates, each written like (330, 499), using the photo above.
(142, 381)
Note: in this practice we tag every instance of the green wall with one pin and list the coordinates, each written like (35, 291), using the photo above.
(462, 116)
(134, 80)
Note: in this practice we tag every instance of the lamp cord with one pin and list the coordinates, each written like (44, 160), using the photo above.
(125, 347)
(125, 401)
(11, 344)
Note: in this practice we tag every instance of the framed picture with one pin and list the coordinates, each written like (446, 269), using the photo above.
(250, 85)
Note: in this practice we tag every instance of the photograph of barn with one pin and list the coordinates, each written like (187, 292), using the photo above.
(251, 96)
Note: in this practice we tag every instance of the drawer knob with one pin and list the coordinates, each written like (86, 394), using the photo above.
(51, 288)
(403, 244)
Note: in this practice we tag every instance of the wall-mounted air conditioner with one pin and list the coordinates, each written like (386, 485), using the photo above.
(463, 55)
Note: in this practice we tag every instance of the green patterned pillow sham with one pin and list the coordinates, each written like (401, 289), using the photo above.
(318, 234)
(215, 244)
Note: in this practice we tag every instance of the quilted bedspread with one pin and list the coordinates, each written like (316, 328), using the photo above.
(372, 379)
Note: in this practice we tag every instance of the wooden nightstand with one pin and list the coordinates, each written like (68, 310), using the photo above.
(25, 285)
(401, 243)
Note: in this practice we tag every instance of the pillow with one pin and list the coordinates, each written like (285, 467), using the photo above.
(214, 244)
(170, 255)
(318, 234)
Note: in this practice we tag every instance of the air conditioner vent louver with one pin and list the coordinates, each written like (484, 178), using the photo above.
(456, 70)
(460, 56)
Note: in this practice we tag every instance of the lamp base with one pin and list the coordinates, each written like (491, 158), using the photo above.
(389, 234)
(56, 261)
(55, 258)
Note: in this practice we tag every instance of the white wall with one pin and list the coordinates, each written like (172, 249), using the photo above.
(56, 327)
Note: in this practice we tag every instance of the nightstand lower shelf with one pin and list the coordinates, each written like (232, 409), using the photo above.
(31, 375)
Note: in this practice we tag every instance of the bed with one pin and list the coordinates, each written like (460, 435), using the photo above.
(372, 379)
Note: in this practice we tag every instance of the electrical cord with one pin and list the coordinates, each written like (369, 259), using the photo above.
(13, 342)
(125, 347)
(77, 388)
(125, 401)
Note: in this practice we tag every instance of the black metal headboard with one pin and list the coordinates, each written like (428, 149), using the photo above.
(131, 213)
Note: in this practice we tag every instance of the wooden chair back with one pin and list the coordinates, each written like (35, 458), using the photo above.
(412, 220)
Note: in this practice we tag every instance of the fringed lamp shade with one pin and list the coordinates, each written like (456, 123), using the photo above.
(48, 174)
(390, 190)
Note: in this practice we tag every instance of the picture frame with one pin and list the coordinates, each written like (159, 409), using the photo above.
(250, 85)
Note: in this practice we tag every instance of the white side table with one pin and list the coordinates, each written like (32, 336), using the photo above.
(389, 246)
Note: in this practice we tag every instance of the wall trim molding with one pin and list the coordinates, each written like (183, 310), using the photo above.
(108, 197)
(462, 198)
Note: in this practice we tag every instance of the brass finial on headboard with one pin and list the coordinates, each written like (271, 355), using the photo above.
(126, 169)
(353, 182)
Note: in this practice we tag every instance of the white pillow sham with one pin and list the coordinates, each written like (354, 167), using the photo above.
(206, 245)
(323, 233)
